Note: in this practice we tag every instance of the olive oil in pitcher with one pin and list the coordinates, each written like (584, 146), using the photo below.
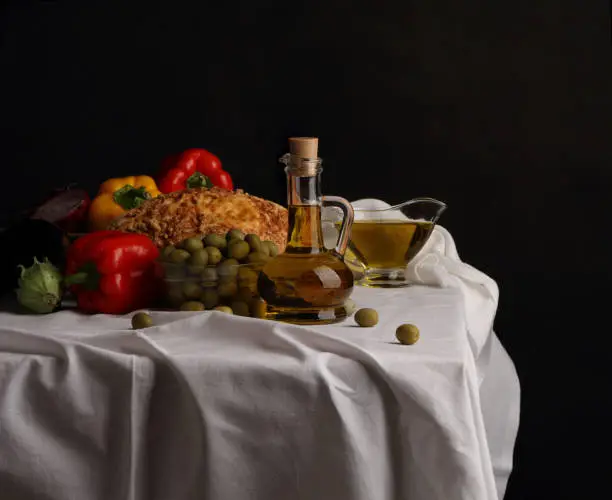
(308, 284)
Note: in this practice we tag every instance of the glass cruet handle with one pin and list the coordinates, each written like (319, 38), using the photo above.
(347, 220)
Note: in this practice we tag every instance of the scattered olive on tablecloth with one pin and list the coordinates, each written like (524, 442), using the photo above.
(141, 320)
(407, 334)
(224, 309)
(366, 317)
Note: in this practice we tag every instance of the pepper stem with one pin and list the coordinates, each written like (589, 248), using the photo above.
(198, 179)
(129, 197)
(76, 279)
(88, 276)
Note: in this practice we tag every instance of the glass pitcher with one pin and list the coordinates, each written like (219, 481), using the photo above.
(308, 283)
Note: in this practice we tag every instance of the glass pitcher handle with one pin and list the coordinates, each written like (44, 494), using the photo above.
(347, 220)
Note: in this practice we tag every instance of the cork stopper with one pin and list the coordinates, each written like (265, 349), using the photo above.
(304, 147)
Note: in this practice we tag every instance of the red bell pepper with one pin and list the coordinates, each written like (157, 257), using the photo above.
(192, 168)
(113, 272)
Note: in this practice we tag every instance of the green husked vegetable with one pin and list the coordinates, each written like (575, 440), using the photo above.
(40, 287)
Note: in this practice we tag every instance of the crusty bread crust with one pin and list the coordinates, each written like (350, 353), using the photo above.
(170, 218)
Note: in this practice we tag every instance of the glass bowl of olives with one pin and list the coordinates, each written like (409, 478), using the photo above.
(216, 271)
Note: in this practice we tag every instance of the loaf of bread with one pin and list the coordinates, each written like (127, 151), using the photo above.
(171, 218)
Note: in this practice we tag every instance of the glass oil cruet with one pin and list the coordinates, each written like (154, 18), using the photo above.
(308, 283)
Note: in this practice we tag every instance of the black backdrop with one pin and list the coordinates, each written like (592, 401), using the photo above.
(502, 109)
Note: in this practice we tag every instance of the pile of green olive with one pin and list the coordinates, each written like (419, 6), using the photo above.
(217, 272)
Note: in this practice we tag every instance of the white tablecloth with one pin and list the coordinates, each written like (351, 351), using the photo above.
(209, 406)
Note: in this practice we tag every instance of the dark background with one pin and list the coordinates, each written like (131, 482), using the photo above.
(502, 109)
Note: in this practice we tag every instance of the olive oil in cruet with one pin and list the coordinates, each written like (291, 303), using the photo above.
(308, 283)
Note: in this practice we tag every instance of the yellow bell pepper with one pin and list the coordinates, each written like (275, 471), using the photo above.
(117, 196)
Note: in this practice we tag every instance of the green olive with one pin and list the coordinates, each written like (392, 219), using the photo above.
(214, 255)
(192, 305)
(240, 308)
(407, 334)
(227, 290)
(257, 258)
(272, 248)
(234, 234)
(175, 295)
(227, 279)
(224, 309)
(199, 258)
(366, 317)
(209, 276)
(237, 249)
(265, 249)
(258, 308)
(194, 271)
(192, 244)
(174, 272)
(245, 294)
(192, 290)
(214, 240)
(228, 267)
(210, 298)
(141, 320)
(246, 275)
(166, 251)
(254, 242)
(350, 306)
(179, 256)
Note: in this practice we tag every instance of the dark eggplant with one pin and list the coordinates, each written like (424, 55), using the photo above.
(23, 241)
(66, 208)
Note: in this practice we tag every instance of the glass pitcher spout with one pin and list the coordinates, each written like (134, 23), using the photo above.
(428, 209)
